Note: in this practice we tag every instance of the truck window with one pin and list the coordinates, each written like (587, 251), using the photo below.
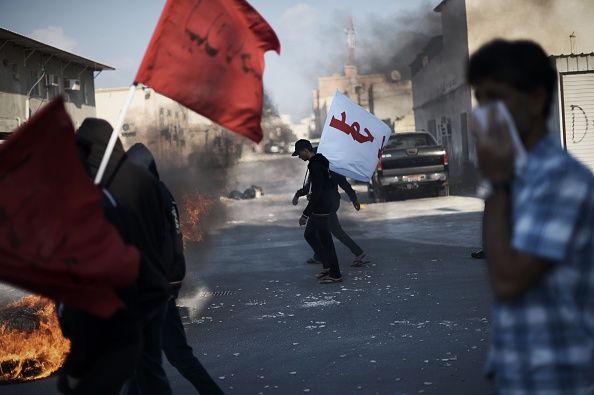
(410, 141)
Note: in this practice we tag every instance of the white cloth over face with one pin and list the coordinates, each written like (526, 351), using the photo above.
(352, 139)
(480, 115)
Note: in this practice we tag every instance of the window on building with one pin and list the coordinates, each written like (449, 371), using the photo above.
(15, 72)
(86, 92)
(432, 127)
(34, 85)
(52, 85)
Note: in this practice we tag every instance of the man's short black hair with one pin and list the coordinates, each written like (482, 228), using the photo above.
(522, 64)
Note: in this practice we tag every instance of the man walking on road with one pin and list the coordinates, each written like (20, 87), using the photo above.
(538, 231)
(335, 227)
(318, 211)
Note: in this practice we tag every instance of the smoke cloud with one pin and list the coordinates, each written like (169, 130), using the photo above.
(393, 42)
(385, 42)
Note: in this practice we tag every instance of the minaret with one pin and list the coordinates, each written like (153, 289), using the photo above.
(350, 68)
(351, 41)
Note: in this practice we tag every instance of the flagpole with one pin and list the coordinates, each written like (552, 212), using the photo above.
(114, 135)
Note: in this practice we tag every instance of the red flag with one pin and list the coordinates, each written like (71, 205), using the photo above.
(54, 238)
(209, 56)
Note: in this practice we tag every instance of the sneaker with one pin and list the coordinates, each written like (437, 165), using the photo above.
(480, 254)
(323, 273)
(330, 280)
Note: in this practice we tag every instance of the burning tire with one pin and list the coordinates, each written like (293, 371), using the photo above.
(31, 340)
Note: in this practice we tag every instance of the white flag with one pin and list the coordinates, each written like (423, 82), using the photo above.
(352, 139)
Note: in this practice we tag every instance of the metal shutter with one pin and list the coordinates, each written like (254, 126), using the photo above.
(578, 111)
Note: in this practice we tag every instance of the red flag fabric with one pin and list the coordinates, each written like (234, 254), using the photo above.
(208, 55)
(54, 238)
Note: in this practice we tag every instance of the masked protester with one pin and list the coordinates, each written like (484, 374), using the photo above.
(103, 352)
(138, 191)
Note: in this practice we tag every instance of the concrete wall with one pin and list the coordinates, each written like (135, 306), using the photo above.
(392, 101)
(440, 95)
(389, 100)
(171, 131)
(18, 75)
(439, 90)
(548, 22)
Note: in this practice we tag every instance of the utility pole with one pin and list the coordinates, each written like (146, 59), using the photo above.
(572, 40)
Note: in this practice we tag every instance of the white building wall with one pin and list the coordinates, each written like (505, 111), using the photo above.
(18, 77)
(168, 129)
(388, 99)
(549, 23)
(440, 90)
(441, 95)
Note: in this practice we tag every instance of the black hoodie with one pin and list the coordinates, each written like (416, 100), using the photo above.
(139, 192)
(321, 200)
(173, 245)
(337, 180)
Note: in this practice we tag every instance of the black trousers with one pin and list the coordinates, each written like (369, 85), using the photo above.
(180, 354)
(150, 378)
(342, 236)
(317, 234)
(103, 352)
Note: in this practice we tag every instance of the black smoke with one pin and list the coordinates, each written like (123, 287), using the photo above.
(384, 42)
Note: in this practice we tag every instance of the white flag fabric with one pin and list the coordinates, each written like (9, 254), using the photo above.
(352, 139)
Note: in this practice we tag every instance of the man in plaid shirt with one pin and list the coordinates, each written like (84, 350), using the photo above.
(538, 231)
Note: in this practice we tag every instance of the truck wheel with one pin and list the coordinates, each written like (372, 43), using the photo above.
(444, 191)
(379, 195)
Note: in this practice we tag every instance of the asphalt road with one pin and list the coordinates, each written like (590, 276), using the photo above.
(414, 320)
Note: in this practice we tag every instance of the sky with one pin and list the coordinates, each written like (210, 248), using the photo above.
(313, 42)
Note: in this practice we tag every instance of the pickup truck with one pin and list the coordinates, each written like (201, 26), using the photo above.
(410, 162)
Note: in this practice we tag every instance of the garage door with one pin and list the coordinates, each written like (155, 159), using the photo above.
(578, 103)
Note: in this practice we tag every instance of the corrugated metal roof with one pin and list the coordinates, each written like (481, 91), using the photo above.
(31, 44)
(568, 63)
(573, 55)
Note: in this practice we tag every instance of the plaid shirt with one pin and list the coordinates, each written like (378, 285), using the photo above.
(543, 343)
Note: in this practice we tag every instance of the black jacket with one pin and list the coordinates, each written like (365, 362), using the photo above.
(337, 180)
(321, 201)
(93, 338)
(173, 245)
(139, 194)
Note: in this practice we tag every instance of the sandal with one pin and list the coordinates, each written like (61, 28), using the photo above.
(323, 273)
(330, 280)
(359, 261)
(313, 261)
